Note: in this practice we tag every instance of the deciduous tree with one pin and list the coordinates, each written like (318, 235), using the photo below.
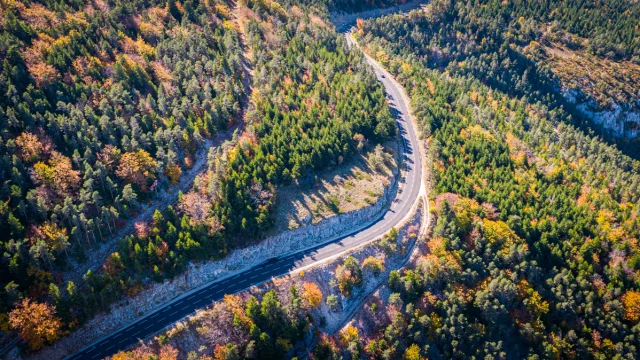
(58, 175)
(137, 167)
(37, 323)
(311, 294)
(631, 302)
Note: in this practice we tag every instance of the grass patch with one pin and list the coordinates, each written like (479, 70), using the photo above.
(333, 203)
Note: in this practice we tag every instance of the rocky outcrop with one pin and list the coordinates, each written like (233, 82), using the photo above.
(619, 120)
(315, 234)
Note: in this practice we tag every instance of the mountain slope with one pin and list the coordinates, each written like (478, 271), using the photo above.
(534, 254)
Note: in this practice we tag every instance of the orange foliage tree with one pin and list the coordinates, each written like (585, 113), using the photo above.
(36, 323)
(311, 294)
(44, 74)
(360, 26)
(58, 174)
(349, 275)
(224, 352)
(168, 352)
(31, 147)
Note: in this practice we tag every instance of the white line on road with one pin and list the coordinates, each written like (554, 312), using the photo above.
(322, 252)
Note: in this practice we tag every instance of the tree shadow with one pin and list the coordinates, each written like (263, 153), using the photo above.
(311, 203)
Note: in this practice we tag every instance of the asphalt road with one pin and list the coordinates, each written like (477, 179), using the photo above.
(190, 302)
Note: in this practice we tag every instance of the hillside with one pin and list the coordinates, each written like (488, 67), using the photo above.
(103, 113)
(113, 102)
(144, 143)
(586, 63)
(534, 253)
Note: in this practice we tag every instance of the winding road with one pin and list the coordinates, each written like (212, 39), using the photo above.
(409, 192)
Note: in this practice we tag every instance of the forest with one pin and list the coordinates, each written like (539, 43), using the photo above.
(503, 46)
(265, 327)
(534, 250)
(534, 253)
(610, 25)
(110, 102)
(103, 111)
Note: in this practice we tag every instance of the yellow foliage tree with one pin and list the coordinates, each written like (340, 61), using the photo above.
(136, 354)
(631, 303)
(412, 353)
(173, 172)
(349, 334)
(374, 264)
(144, 49)
(4, 323)
(137, 167)
(536, 305)
(53, 235)
(499, 233)
(223, 11)
(234, 304)
(466, 211)
(58, 174)
(437, 246)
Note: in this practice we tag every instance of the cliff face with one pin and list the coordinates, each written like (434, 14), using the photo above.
(619, 120)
